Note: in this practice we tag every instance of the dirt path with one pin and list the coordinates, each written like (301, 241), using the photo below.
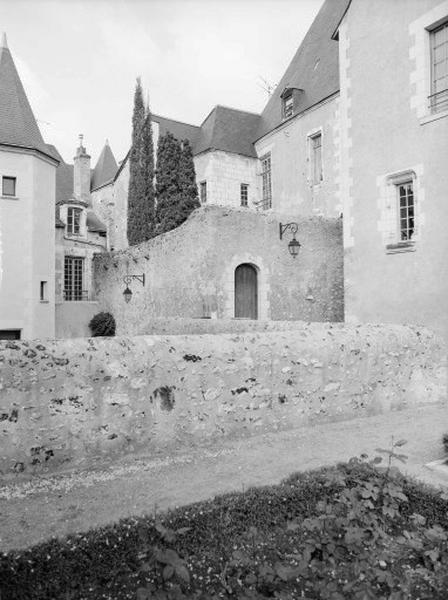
(31, 512)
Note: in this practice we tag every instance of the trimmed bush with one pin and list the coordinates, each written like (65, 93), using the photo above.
(102, 324)
(445, 442)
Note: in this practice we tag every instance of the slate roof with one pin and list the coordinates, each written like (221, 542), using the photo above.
(181, 131)
(18, 126)
(314, 68)
(105, 168)
(228, 129)
(94, 224)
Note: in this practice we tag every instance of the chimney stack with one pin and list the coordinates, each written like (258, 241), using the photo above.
(81, 174)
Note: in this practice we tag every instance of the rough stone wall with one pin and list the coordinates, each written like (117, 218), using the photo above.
(190, 271)
(71, 403)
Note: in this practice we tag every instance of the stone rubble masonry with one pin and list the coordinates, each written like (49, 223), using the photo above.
(190, 271)
(67, 404)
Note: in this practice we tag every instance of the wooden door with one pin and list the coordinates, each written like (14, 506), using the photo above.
(246, 294)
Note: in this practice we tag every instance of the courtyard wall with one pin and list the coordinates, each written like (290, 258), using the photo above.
(68, 404)
(190, 271)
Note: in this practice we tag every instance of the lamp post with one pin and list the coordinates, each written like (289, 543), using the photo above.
(127, 294)
(294, 245)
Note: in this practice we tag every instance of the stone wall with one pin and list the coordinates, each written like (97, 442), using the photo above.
(189, 272)
(71, 403)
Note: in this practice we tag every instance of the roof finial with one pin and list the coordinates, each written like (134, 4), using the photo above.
(81, 137)
(4, 41)
(107, 142)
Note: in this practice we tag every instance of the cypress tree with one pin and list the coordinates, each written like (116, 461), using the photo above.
(187, 177)
(141, 176)
(177, 193)
(147, 167)
(136, 180)
(167, 182)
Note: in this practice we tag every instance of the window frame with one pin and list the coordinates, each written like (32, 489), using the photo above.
(71, 221)
(396, 181)
(313, 172)
(266, 181)
(14, 180)
(436, 107)
(288, 105)
(203, 191)
(244, 194)
(74, 279)
(44, 291)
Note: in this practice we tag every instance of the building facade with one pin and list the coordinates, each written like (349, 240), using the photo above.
(27, 219)
(394, 129)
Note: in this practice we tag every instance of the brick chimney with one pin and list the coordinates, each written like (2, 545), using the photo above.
(81, 174)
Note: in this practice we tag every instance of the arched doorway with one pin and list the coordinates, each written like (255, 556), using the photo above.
(246, 292)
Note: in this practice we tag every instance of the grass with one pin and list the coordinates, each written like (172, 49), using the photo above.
(352, 531)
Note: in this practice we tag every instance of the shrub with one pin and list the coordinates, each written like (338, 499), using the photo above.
(445, 442)
(102, 324)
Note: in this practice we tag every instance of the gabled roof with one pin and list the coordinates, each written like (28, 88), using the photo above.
(105, 168)
(181, 131)
(314, 68)
(228, 129)
(18, 126)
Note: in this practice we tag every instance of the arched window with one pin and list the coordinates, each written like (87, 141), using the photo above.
(246, 292)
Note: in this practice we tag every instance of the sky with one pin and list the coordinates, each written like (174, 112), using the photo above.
(79, 60)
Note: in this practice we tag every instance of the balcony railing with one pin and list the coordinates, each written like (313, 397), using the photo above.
(76, 295)
(438, 102)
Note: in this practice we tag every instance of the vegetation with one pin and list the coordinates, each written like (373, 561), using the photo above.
(357, 531)
(176, 189)
(141, 202)
(102, 324)
(445, 442)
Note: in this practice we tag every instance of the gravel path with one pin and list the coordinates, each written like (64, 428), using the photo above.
(31, 512)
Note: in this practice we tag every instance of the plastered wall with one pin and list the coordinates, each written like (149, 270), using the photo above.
(401, 135)
(71, 403)
(190, 272)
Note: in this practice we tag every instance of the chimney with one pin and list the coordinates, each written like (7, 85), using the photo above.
(81, 174)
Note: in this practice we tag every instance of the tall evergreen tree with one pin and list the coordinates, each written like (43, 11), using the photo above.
(177, 194)
(167, 182)
(141, 176)
(147, 167)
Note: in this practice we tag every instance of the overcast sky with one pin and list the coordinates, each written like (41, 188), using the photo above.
(78, 60)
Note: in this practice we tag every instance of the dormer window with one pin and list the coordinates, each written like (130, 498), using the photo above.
(74, 220)
(288, 106)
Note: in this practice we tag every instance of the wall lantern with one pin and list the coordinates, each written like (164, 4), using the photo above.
(127, 294)
(294, 244)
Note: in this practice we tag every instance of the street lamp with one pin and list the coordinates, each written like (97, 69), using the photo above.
(294, 244)
(127, 294)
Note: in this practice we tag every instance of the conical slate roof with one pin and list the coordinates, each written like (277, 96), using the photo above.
(18, 126)
(105, 168)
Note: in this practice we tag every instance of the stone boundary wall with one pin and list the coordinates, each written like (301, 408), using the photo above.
(68, 404)
(215, 326)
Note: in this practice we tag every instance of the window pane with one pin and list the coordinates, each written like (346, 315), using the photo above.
(9, 186)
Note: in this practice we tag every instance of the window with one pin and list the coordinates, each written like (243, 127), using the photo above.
(244, 194)
(74, 221)
(8, 186)
(405, 193)
(203, 191)
(288, 106)
(43, 291)
(316, 158)
(438, 99)
(266, 182)
(10, 334)
(73, 278)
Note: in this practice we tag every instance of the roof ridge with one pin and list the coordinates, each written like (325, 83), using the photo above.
(247, 112)
(174, 120)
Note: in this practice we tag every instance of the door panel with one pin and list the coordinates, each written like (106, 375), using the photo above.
(246, 293)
